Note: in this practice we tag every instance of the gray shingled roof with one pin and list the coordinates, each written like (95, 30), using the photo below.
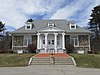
(59, 23)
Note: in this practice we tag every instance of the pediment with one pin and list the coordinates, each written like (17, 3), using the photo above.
(50, 29)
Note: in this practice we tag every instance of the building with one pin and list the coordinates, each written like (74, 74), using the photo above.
(51, 36)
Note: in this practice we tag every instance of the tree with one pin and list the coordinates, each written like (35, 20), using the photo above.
(94, 23)
(2, 26)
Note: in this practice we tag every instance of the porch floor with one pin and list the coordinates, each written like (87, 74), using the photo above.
(59, 55)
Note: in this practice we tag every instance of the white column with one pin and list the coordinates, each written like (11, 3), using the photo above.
(55, 43)
(46, 42)
(40, 43)
(63, 40)
(38, 40)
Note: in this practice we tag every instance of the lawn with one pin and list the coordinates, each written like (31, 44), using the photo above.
(13, 60)
(87, 60)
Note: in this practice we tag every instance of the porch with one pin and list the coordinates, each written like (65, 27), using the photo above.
(51, 42)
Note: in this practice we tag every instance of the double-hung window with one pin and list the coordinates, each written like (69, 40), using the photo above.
(27, 40)
(74, 40)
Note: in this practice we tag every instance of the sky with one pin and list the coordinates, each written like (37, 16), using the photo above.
(14, 13)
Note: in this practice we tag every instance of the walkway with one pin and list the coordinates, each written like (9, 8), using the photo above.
(60, 55)
(48, 70)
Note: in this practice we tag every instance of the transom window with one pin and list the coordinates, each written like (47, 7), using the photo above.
(74, 40)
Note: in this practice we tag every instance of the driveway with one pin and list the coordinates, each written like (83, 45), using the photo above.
(48, 70)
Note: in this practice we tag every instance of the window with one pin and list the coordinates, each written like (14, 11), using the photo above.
(28, 26)
(72, 26)
(52, 42)
(27, 41)
(43, 41)
(49, 42)
(50, 24)
(58, 40)
(74, 40)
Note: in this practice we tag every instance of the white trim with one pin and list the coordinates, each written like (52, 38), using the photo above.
(28, 24)
(73, 60)
(63, 40)
(50, 24)
(38, 40)
(74, 40)
(55, 42)
(19, 46)
(46, 41)
(30, 61)
(72, 24)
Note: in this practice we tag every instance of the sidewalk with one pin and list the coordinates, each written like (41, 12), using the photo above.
(48, 70)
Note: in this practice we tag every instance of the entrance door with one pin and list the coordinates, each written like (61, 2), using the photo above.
(50, 43)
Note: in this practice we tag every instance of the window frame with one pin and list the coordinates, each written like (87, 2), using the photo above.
(74, 40)
(28, 39)
(28, 25)
(50, 24)
(72, 24)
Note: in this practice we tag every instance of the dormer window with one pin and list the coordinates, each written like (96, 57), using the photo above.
(72, 26)
(28, 26)
(50, 24)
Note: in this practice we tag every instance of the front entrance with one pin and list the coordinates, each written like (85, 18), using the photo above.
(51, 43)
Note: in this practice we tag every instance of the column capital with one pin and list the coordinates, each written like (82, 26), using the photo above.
(45, 33)
(38, 33)
(63, 33)
(55, 33)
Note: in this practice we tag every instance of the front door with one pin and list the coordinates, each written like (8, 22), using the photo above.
(50, 43)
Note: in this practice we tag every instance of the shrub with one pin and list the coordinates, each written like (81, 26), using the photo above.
(5, 51)
(31, 48)
(69, 48)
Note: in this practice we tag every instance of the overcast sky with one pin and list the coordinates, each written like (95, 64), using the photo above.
(14, 13)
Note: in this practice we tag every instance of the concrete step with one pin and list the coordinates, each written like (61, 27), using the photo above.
(67, 61)
(47, 61)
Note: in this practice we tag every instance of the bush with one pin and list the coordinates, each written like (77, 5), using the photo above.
(6, 51)
(69, 48)
(32, 48)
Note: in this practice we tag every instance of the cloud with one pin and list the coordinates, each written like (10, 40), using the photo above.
(78, 11)
(16, 12)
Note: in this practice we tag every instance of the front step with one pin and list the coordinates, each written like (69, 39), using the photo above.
(63, 61)
(47, 61)
(40, 61)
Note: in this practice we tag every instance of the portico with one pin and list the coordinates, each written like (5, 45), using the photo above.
(51, 42)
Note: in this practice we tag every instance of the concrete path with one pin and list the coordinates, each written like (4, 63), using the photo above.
(48, 70)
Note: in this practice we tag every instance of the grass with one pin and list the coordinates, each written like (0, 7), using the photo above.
(87, 60)
(14, 60)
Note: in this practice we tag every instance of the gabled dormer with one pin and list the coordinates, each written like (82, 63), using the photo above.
(29, 24)
(51, 24)
(72, 25)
